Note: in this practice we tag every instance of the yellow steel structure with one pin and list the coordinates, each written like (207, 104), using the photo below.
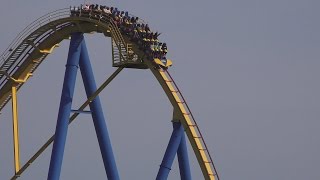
(16, 147)
(39, 40)
(166, 64)
(15, 120)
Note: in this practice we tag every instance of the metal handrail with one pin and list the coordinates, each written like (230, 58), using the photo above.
(116, 34)
(57, 14)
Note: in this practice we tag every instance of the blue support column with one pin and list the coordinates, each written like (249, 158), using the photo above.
(171, 151)
(183, 159)
(97, 115)
(65, 106)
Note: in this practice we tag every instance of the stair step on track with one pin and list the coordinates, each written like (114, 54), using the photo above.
(11, 60)
(8, 65)
(22, 47)
(15, 55)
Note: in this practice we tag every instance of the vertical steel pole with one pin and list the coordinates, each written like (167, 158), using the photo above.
(97, 115)
(183, 159)
(65, 106)
(171, 151)
(15, 124)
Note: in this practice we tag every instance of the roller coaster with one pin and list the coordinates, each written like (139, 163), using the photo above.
(39, 39)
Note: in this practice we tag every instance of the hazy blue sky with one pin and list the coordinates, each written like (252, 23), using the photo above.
(248, 68)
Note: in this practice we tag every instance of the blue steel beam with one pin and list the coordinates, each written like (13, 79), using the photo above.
(171, 151)
(183, 159)
(65, 106)
(97, 115)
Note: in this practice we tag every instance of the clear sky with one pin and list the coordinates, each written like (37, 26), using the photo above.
(249, 70)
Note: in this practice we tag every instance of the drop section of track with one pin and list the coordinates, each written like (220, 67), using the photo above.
(123, 51)
(185, 116)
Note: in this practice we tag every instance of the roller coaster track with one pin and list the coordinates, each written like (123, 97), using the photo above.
(36, 41)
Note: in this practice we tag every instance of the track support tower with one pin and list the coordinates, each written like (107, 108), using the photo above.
(78, 55)
(177, 145)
